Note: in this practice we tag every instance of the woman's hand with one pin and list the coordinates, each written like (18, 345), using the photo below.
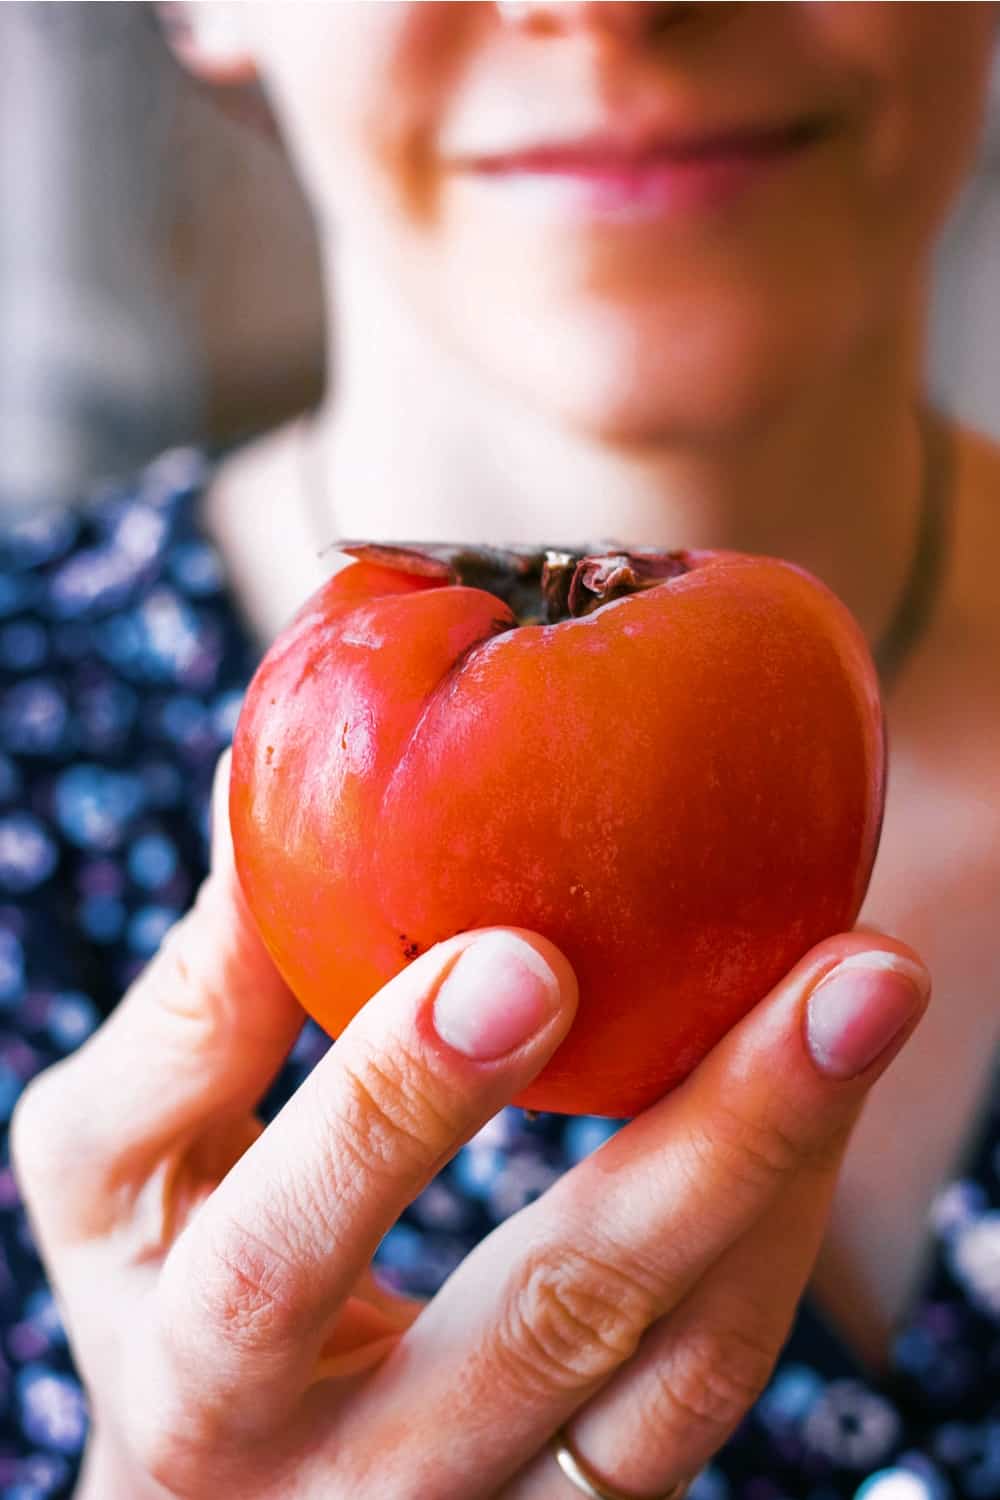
(214, 1275)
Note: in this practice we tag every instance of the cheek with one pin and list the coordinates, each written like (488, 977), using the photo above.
(360, 89)
(922, 70)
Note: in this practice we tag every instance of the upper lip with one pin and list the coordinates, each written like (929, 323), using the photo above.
(615, 146)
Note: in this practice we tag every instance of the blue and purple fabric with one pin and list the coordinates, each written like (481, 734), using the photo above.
(123, 660)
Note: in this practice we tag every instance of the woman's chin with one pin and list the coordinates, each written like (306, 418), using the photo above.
(625, 391)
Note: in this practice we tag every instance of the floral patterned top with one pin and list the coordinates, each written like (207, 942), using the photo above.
(123, 660)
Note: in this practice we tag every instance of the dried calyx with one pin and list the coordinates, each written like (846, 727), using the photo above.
(541, 587)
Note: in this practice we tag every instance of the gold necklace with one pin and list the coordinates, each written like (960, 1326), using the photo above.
(921, 589)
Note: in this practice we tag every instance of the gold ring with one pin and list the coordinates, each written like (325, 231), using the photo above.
(588, 1484)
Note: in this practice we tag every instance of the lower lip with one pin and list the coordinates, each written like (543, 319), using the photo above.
(652, 189)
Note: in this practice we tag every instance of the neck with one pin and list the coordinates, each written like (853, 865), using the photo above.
(832, 482)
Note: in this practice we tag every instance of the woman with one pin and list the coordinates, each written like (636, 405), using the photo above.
(649, 271)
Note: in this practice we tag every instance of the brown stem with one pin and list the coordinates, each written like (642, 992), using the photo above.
(540, 587)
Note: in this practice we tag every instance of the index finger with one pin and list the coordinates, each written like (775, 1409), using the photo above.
(251, 1288)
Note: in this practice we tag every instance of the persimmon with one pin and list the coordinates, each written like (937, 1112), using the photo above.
(671, 764)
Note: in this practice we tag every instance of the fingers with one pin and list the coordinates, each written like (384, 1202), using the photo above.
(695, 1374)
(199, 1035)
(548, 1308)
(251, 1288)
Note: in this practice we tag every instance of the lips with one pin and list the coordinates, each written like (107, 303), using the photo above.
(626, 176)
(606, 153)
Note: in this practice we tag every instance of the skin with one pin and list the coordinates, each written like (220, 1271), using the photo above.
(688, 382)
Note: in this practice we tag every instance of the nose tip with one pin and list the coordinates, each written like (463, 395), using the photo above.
(630, 20)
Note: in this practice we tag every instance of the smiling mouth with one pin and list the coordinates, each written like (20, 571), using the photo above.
(657, 177)
(601, 155)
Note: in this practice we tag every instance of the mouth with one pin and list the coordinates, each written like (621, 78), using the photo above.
(639, 177)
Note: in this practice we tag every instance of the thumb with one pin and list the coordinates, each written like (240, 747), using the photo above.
(199, 1035)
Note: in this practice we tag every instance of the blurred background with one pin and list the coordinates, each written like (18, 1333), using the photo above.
(158, 277)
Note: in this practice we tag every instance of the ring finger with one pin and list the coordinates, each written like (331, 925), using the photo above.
(695, 1373)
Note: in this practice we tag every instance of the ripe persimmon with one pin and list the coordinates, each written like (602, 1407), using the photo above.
(671, 764)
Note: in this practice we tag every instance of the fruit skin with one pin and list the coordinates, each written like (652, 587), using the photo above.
(683, 790)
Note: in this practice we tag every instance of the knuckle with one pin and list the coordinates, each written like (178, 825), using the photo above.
(570, 1318)
(390, 1118)
(709, 1382)
(754, 1151)
(241, 1287)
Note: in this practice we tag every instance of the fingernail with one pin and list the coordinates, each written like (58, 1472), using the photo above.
(855, 1012)
(499, 993)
